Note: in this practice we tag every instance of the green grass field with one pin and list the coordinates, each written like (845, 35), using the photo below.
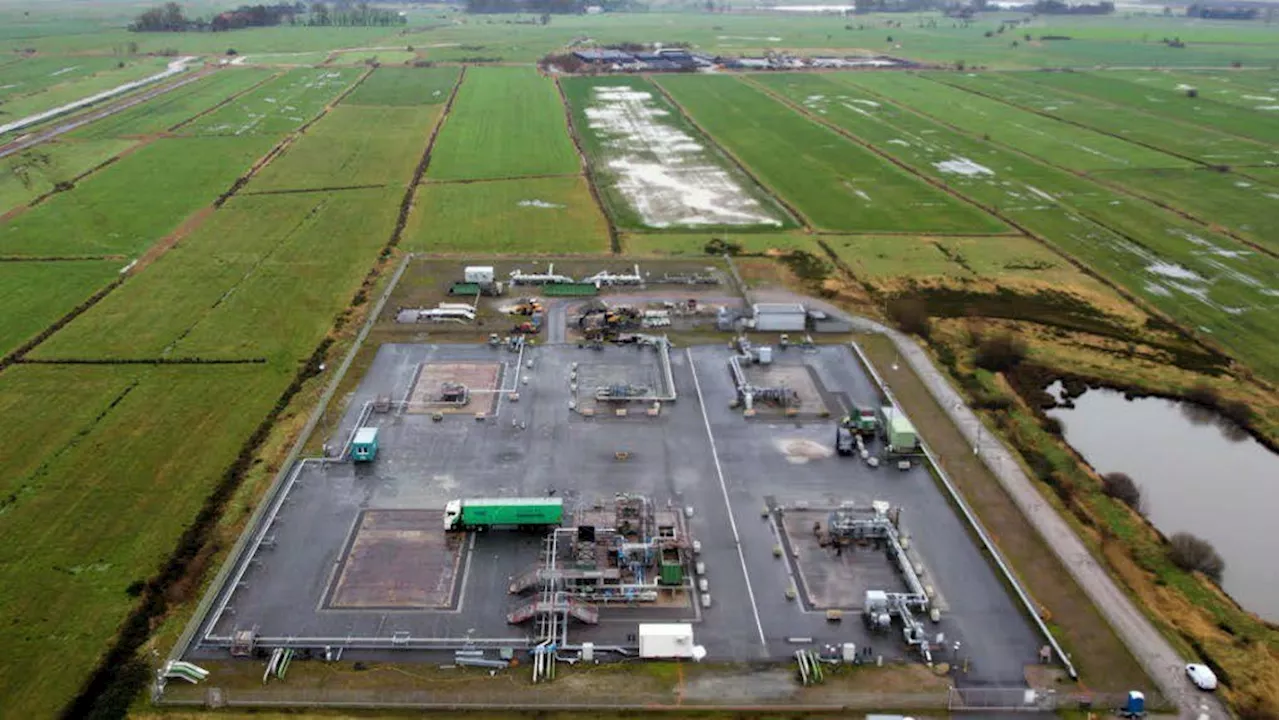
(404, 86)
(1190, 141)
(1255, 90)
(542, 216)
(505, 123)
(262, 277)
(36, 294)
(61, 92)
(1244, 206)
(284, 308)
(1199, 277)
(126, 207)
(835, 183)
(1065, 145)
(279, 106)
(177, 106)
(1269, 175)
(684, 160)
(340, 150)
(959, 259)
(31, 75)
(1168, 104)
(98, 499)
(32, 173)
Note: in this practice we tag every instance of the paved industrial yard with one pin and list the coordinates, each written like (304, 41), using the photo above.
(329, 568)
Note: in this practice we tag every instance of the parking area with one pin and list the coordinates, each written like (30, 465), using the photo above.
(356, 556)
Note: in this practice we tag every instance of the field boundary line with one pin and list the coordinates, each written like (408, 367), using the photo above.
(587, 173)
(473, 181)
(804, 112)
(286, 141)
(1081, 125)
(1207, 344)
(796, 215)
(411, 192)
(18, 353)
(143, 361)
(907, 233)
(267, 255)
(299, 191)
(69, 185)
(59, 258)
(1090, 176)
(225, 101)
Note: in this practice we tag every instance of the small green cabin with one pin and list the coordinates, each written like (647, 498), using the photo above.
(364, 448)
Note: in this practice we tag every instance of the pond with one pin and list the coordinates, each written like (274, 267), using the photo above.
(1198, 474)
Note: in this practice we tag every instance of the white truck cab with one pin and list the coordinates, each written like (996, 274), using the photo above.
(452, 514)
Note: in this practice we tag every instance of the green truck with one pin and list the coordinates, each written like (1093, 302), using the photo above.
(486, 513)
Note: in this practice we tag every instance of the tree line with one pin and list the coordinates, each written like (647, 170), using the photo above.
(170, 17)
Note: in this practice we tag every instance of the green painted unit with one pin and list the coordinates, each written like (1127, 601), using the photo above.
(672, 574)
(486, 513)
(899, 433)
(570, 290)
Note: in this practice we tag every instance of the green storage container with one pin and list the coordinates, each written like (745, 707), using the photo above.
(672, 574)
(569, 290)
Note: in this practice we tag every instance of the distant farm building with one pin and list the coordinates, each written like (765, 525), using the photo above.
(682, 60)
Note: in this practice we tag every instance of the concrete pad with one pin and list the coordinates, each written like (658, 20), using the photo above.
(482, 379)
(831, 578)
(398, 559)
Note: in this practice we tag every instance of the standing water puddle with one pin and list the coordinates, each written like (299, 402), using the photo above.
(1196, 476)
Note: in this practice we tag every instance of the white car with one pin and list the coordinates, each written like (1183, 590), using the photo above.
(1202, 676)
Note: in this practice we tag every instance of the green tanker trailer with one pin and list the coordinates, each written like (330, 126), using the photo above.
(483, 514)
